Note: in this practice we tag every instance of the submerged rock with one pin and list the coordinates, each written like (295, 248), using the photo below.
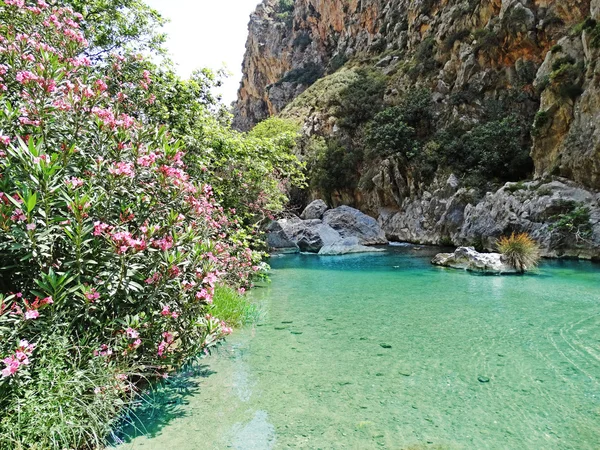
(315, 210)
(347, 246)
(350, 222)
(468, 258)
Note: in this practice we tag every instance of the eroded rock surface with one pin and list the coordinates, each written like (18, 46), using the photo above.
(343, 230)
(314, 210)
(469, 259)
(350, 222)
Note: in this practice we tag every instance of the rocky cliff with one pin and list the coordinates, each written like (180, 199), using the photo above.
(512, 95)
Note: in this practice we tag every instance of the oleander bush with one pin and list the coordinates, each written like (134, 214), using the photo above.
(112, 237)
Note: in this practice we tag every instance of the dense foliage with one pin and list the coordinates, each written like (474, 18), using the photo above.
(125, 201)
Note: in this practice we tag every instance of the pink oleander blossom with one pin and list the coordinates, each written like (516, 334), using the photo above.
(32, 314)
(92, 295)
(101, 228)
(132, 333)
(122, 169)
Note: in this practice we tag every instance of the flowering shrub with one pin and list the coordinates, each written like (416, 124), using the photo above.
(110, 251)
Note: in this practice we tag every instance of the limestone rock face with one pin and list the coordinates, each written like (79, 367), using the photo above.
(342, 231)
(350, 222)
(469, 259)
(314, 210)
(533, 207)
(469, 54)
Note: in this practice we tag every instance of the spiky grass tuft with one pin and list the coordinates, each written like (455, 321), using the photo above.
(519, 251)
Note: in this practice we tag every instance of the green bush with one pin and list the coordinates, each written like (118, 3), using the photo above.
(457, 36)
(567, 77)
(492, 151)
(542, 118)
(424, 58)
(360, 100)
(399, 130)
(487, 40)
(305, 75)
(112, 236)
(302, 41)
(334, 168)
(573, 221)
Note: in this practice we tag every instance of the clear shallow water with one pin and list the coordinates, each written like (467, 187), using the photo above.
(386, 351)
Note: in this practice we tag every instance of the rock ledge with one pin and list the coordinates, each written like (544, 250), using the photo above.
(467, 258)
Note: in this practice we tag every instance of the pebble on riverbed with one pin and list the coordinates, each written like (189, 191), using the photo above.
(483, 379)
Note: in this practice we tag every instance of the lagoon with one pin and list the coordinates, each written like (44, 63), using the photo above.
(387, 351)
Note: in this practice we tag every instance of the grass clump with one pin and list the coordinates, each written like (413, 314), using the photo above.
(233, 308)
(520, 251)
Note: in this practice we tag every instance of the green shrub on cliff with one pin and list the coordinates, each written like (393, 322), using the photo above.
(491, 151)
(361, 99)
(334, 167)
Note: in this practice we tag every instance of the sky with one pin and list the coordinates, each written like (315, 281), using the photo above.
(207, 33)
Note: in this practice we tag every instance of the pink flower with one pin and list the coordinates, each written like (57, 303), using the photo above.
(20, 358)
(101, 85)
(12, 367)
(30, 226)
(122, 169)
(165, 311)
(4, 140)
(164, 243)
(18, 216)
(100, 228)
(74, 182)
(154, 279)
(204, 295)
(132, 334)
(92, 295)
(210, 279)
(104, 350)
(32, 314)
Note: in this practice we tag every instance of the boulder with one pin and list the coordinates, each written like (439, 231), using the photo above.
(469, 259)
(350, 222)
(346, 246)
(309, 235)
(278, 240)
(315, 210)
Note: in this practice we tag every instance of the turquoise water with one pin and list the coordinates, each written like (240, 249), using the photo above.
(386, 351)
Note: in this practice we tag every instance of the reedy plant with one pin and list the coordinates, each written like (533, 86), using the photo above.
(519, 251)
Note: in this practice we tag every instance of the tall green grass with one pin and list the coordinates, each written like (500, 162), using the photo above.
(235, 309)
(71, 401)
